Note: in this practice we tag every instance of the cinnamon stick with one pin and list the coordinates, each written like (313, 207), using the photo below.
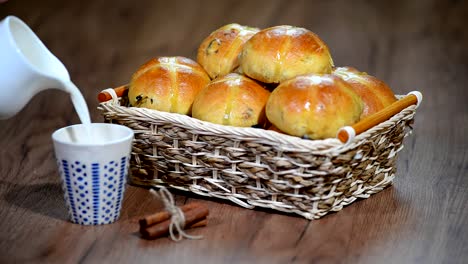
(105, 96)
(203, 222)
(161, 229)
(164, 215)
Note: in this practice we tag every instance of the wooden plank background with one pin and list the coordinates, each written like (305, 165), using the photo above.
(412, 45)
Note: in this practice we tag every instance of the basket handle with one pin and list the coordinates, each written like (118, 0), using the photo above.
(346, 134)
(105, 95)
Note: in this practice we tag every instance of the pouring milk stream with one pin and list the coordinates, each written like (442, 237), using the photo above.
(28, 67)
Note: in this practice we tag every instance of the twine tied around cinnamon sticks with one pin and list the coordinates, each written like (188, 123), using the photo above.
(173, 220)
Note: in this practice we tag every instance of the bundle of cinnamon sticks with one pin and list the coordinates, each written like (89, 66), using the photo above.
(157, 225)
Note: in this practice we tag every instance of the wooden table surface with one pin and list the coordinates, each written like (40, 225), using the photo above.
(412, 45)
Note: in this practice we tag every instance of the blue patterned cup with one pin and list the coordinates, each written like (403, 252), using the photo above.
(93, 164)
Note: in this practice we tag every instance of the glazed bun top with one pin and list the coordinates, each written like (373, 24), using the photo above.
(232, 100)
(313, 106)
(279, 53)
(375, 94)
(219, 52)
(167, 84)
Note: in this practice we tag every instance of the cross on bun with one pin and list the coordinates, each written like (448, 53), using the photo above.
(167, 84)
(219, 52)
(313, 106)
(279, 53)
(232, 100)
(375, 94)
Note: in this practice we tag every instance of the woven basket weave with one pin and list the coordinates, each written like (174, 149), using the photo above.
(259, 168)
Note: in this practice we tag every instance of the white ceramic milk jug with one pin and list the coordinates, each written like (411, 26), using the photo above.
(26, 67)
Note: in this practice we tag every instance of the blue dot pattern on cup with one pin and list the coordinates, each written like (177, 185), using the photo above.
(93, 192)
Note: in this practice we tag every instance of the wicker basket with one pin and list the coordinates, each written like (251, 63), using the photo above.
(255, 167)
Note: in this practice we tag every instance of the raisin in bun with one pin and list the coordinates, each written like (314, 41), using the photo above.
(218, 53)
(374, 93)
(313, 106)
(279, 53)
(233, 100)
(167, 84)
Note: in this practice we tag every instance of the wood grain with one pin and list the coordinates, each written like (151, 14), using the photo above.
(411, 45)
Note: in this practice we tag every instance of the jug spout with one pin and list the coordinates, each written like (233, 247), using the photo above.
(28, 67)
